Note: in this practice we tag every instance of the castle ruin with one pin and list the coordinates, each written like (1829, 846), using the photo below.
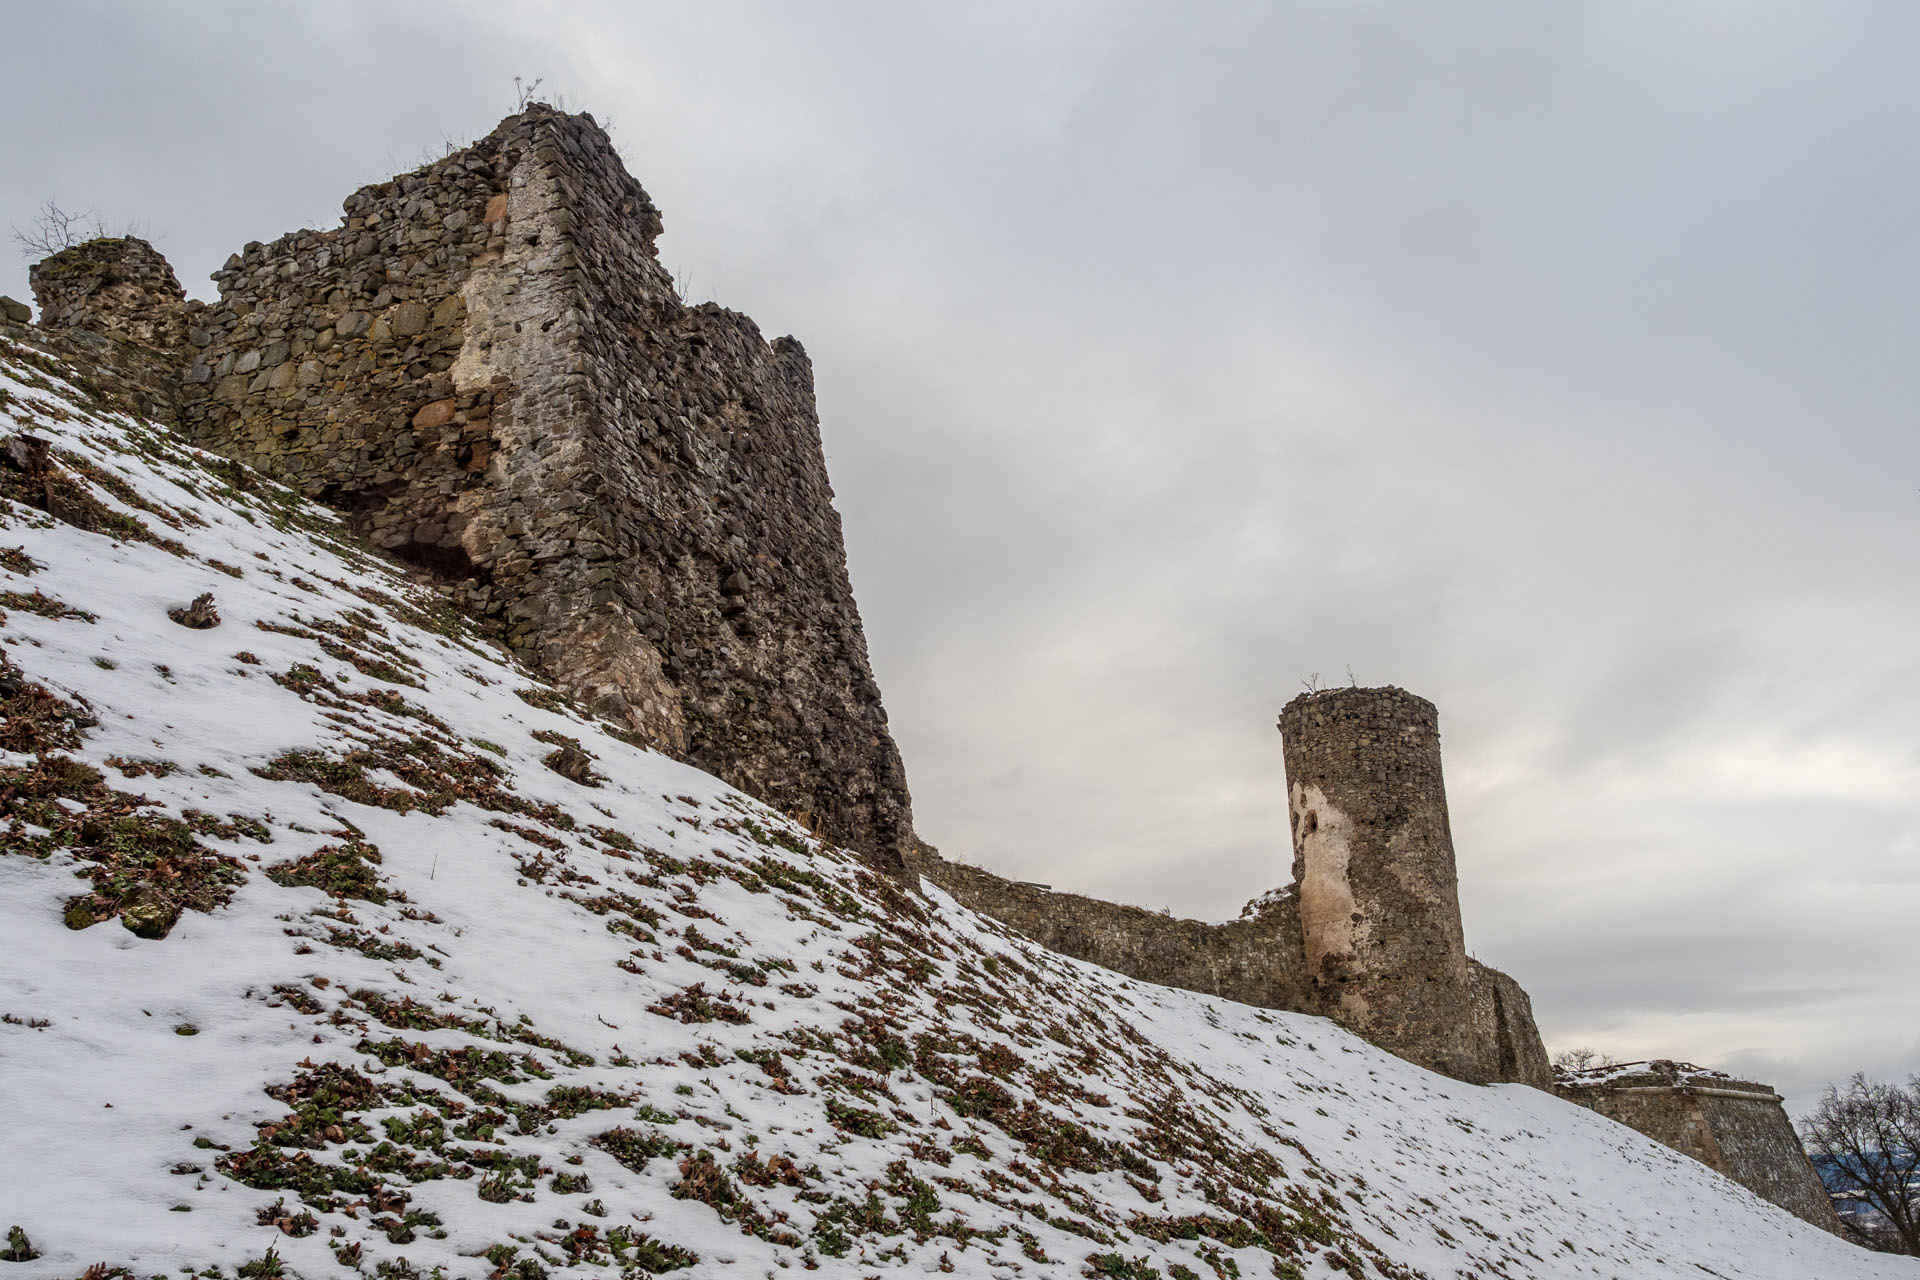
(485, 369)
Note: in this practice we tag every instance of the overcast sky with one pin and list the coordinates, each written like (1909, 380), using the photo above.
(1556, 362)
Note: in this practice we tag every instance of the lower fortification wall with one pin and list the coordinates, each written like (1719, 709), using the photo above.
(1256, 961)
(119, 373)
(1736, 1127)
(1369, 932)
(1259, 959)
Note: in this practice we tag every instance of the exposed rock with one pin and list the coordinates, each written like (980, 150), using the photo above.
(30, 455)
(200, 615)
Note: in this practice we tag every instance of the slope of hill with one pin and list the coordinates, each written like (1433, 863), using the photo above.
(336, 943)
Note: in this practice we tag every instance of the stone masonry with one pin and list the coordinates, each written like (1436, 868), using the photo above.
(115, 286)
(1506, 1040)
(1255, 959)
(1734, 1126)
(486, 368)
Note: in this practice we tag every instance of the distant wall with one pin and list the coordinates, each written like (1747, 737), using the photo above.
(1736, 1127)
(1369, 933)
(1257, 960)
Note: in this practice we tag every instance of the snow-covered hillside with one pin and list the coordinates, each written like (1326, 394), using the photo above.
(335, 942)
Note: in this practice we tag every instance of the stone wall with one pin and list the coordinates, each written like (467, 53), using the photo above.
(1734, 1126)
(487, 370)
(1259, 959)
(1373, 862)
(1504, 1033)
(122, 375)
(1255, 960)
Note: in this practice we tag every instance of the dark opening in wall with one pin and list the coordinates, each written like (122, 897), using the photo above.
(359, 500)
(449, 564)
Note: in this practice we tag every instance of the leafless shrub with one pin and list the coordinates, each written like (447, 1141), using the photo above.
(55, 229)
(1582, 1059)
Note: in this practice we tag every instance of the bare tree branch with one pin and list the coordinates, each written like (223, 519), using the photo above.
(1867, 1140)
(55, 229)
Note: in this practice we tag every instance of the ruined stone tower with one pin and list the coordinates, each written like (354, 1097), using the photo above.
(486, 369)
(1368, 933)
(1373, 866)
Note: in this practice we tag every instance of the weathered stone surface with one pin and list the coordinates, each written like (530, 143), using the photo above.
(1255, 960)
(1734, 1126)
(487, 370)
(14, 310)
(437, 414)
(1503, 1029)
(1373, 862)
(122, 287)
(130, 375)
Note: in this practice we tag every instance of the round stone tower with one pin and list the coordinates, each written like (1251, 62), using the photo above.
(1373, 862)
(116, 285)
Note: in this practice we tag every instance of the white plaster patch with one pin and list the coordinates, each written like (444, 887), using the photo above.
(1324, 836)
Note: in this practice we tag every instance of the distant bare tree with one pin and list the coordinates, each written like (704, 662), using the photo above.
(1867, 1139)
(1581, 1059)
(54, 229)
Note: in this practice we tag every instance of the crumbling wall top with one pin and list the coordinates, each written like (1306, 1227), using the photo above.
(117, 285)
